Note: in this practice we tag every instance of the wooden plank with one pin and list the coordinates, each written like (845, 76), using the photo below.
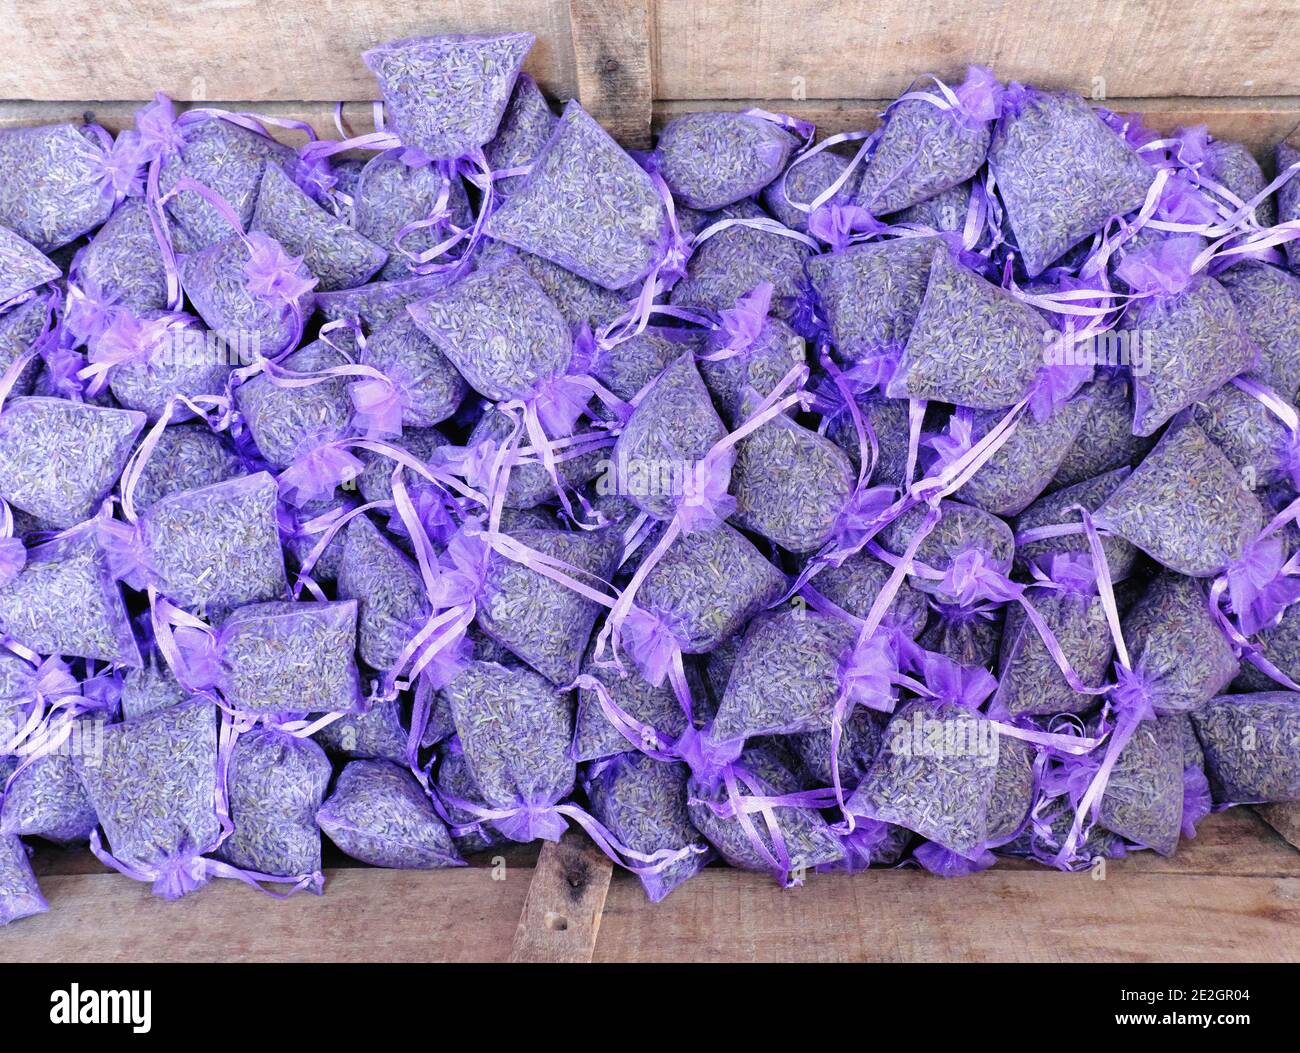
(789, 49)
(246, 49)
(1259, 123)
(561, 916)
(612, 65)
(908, 916)
(464, 915)
(1284, 818)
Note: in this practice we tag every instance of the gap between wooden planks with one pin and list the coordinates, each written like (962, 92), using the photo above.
(1232, 894)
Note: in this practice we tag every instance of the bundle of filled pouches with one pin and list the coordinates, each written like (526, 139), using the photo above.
(909, 497)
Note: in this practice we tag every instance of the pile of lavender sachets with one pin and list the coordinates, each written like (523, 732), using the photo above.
(917, 497)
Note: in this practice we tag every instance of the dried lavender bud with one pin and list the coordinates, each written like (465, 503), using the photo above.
(890, 421)
(970, 636)
(935, 775)
(123, 261)
(515, 729)
(1248, 433)
(595, 737)
(286, 422)
(47, 799)
(1193, 343)
(854, 584)
(708, 585)
(672, 428)
(1055, 510)
(1186, 506)
(275, 786)
(1106, 440)
(960, 528)
(1268, 303)
(803, 182)
(499, 329)
(541, 621)
(1060, 172)
(579, 300)
(150, 688)
(22, 267)
(1029, 679)
(290, 658)
(59, 459)
(790, 484)
(65, 601)
(453, 779)
(807, 839)
(713, 159)
(19, 329)
(429, 386)
(379, 815)
(1252, 746)
(218, 546)
(391, 195)
(972, 343)
(786, 677)
(446, 94)
(525, 127)
(923, 150)
(391, 601)
(530, 484)
(335, 253)
(228, 159)
(1176, 646)
(762, 366)
(172, 355)
(1288, 198)
(376, 734)
(379, 302)
(860, 740)
(629, 366)
(20, 896)
(642, 802)
(215, 281)
(871, 294)
(187, 457)
(1143, 801)
(154, 787)
(733, 261)
(51, 184)
(587, 206)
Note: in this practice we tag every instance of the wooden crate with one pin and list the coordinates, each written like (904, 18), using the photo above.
(1232, 894)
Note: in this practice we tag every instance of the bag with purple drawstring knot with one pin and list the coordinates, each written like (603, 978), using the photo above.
(760, 816)
(64, 601)
(333, 252)
(1267, 300)
(808, 177)
(1226, 169)
(122, 266)
(1061, 172)
(1257, 429)
(713, 159)
(61, 181)
(931, 140)
(454, 781)
(589, 207)
(44, 796)
(1191, 339)
(420, 387)
(748, 350)
(576, 460)
(1252, 744)
(300, 533)
(278, 660)
(642, 802)
(276, 783)
(379, 814)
